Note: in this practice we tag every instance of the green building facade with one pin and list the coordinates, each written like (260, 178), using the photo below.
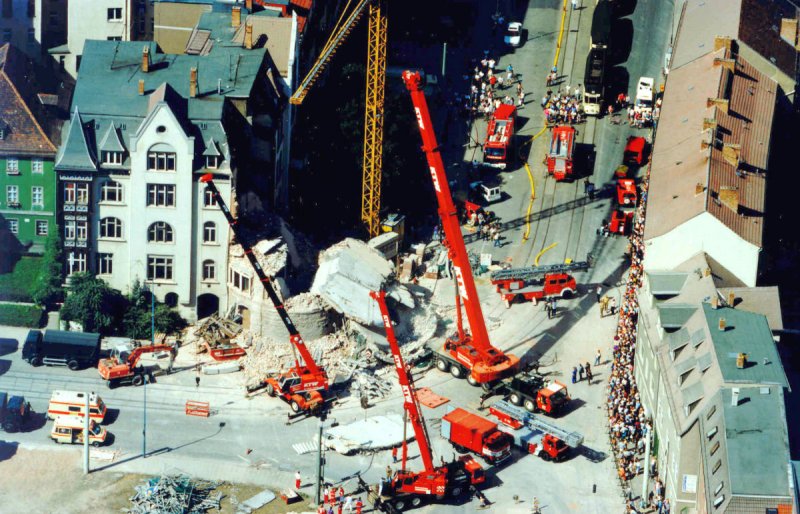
(27, 199)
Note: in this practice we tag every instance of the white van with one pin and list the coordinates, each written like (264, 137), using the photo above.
(69, 430)
(63, 403)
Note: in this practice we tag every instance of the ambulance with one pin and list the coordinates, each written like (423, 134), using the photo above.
(68, 429)
(74, 403)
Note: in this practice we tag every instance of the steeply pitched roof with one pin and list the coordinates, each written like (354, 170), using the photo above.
(695, 37)
(759, 28)
(749, 333)
(278, 35)
(761, 300)
(111, 141)
(30, 127)
(211, 150)
(75, 153)
(666, 282)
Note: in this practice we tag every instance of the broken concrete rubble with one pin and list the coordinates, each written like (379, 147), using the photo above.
(374, 433)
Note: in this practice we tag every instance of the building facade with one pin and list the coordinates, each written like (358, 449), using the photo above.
(30, 124)
(145, 126)
(33, 26)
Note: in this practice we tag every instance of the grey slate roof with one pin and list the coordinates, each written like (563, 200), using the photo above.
(675, 315)
(212, 149)
(749, 333)
(111, 141)
(666, 282)
(75, 153)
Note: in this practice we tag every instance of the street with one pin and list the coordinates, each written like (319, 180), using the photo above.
(562, 217)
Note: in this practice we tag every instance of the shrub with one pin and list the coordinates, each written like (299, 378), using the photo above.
(21, 315)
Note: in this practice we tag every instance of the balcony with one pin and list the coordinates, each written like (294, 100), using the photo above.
(81, 243)
(69, 243)
(14, 205)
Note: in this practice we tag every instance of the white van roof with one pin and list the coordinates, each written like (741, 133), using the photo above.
(70, 420)
(644, 89)
(73, 397)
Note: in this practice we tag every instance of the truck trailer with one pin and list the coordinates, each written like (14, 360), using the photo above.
(467, 431)
(75, 350)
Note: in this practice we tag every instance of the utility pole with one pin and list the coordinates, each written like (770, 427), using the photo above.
(86, 419)
(319, 464)
(144, 374)
(444, 57)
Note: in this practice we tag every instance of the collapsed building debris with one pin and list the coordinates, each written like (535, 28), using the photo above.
(170, 494)
(217, 331)
(374, 433)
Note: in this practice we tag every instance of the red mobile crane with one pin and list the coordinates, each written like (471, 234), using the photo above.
(471, 354)
(302, 385)
(409, 488)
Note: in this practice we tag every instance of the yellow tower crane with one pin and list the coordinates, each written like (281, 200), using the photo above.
(373, 115)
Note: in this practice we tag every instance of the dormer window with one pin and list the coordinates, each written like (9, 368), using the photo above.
(212, 162)
(112, 158)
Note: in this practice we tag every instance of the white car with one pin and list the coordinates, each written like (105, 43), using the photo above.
(513, 37)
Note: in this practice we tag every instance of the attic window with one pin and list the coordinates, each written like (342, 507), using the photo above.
(714, 450)
(716, 467)
(718, 501)
(718, 488)
(711, 411)
(112, 158)
(711, 433)
(161, 129)
(212, 162)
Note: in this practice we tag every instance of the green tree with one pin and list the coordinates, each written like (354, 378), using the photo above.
(48, 289)
(93, 304)
(136, 322)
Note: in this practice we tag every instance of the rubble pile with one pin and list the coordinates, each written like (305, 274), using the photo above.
(272, 255)
(215, 331)
(169, 494)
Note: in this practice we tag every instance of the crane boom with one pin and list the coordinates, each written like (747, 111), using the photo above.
(410, 401)
(294, 335)
(486, 362)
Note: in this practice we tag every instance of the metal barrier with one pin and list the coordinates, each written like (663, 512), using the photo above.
(194, 408)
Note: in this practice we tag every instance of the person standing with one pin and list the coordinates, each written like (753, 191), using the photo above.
(574, 4)
(597, 358)
(496, 239)
(388, 472)
(598, 292)
(340, 494)
(580, 372)
(574, 374)
(297, 480)
(348, 504)
(359, 506)
(588, 372)
(394, 453)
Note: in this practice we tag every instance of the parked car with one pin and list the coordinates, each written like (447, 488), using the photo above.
(513, 36)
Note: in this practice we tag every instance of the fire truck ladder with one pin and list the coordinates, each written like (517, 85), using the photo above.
(571, 439)
(374, 99)
(537, 272)
(294, 335)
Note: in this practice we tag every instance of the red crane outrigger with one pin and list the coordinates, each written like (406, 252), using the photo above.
(302, 384)
(409, 488)
(472, 353)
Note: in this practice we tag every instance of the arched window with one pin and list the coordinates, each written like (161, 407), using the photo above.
(160, 232)
(209, 232)
(161, 157)
(171, 299)
(111, 191)
(111, 227)
(209, 270)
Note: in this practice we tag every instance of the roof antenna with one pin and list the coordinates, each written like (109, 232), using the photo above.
(219, 86)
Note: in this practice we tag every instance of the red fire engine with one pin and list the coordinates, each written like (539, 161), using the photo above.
(538, 282)
(560, 155)
(464, 354)
(627, 194)
(499, 133)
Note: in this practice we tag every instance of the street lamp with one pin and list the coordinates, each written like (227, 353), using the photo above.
(144, 376)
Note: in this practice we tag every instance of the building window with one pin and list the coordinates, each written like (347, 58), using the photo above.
(716, 466)
(37, 166)
(111, 228)
(69, 192)
(41, 227)
(159, 268)
(83, 193)
(13, 226)
(114, 14)
(240, 281)
(209, 232)
(31, 36)
(212, 162)
(160, 161)
(76, 263)
(6, 35)
(12, 195)
(37, 196)
(208, 199)
(113, 158)
(114, 38)
(714, 449)
(69, 229)
(161, 195)
(2, 133)
(111, 191)
(12, 166)
(82, 230)
(160, 232)
(105, 263)
(209, 270)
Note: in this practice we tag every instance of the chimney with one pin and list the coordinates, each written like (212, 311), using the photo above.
(731, 299)
(789, 30)
(699, 189)
(731, 153)
(714, 302)
(193, 82)
(248, 5)
(146, 59)
(741, 360)
(729, 64)
(735, 397)
(709, 123)
(236, 16)
(248, 36)
(722, 326)
(141, 87)
(707, 272)
(729, 197)
(707, 137)
(722, 42)
(721, 103)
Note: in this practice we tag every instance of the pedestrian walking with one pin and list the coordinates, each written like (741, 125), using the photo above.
(574, 374)
(509, 74)
(297, 480)
(580, 372)
(348, 504)
(340, 494)
(359, 506)
(388, 473)
(599, 292)
(394, 454)
(197, 382)
(597, 358)
(496, 239)
(332, 496)
(588, 372)
(325, 495)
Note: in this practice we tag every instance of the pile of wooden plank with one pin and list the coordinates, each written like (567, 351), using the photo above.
(217, 331)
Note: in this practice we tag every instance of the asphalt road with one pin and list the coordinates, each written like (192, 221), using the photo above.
(217, 447)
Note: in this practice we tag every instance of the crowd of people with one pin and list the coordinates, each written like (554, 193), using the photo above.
(628, 424)
(639, 116)
(563, 106)
(490, 87)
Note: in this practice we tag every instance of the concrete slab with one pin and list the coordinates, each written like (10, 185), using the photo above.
(375, 433)
(256, 502)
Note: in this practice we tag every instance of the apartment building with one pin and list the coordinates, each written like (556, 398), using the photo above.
(33, 26)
